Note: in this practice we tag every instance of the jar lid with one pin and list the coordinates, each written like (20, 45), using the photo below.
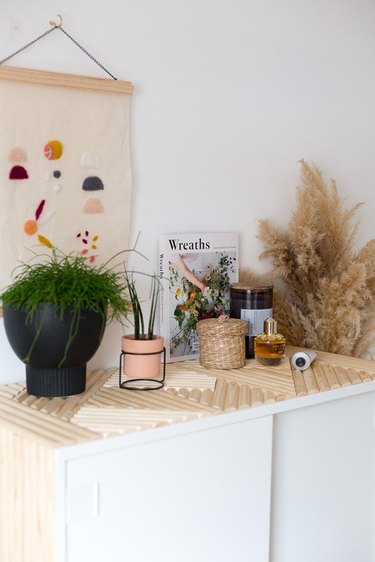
(223, 326)
(251, 286)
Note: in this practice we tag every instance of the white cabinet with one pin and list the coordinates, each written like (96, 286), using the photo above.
(289, 480)
(202, 496)
(323, 482)
(298, 485)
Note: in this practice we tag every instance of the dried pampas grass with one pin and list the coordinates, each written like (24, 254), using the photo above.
(324, 295)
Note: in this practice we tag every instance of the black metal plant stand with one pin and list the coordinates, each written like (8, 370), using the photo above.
(141, 383)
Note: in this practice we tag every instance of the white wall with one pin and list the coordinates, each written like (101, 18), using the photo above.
(229, 95)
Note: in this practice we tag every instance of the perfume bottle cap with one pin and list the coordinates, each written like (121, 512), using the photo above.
(270, 326)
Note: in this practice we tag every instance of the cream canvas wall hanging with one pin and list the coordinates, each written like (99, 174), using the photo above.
(65, 177)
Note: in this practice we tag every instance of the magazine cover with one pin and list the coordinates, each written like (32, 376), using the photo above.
(196, 271)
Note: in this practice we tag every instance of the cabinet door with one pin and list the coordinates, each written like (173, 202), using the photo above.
(198, 497)
(323, 483)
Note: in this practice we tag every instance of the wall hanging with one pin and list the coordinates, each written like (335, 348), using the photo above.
(65, 177)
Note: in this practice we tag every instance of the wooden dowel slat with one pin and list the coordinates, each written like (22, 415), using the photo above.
(330, 376)
(320, 376)
(299, 383)
(183, 392)
(364, 376)
(269, 397)
(195, 395)
(218, 400)
(206, 397)
(231, 397)
(342, 376)
(46, 78)
(353, 376)
(310, 381)
(244, 398)
(257, 398)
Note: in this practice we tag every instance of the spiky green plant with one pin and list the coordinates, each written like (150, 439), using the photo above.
(139, 324)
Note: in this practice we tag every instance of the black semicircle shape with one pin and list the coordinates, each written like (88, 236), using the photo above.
(92, 183)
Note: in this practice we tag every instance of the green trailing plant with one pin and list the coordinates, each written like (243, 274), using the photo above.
(324, 296)
(138, 315)
(68, 281)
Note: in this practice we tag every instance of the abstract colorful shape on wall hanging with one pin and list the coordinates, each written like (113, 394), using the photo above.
(39, 209)
(18, 173)
(44, 241)
(53, 150)
(92, 183)
(31, 226)
(17, 154)
(89, 245)
(93, 206)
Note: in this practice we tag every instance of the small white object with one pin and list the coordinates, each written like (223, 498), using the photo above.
(303, 359)
(91, 159)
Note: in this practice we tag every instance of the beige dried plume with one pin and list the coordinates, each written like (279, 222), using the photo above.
(324, 296)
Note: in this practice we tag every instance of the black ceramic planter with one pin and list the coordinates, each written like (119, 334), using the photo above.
(55, 347)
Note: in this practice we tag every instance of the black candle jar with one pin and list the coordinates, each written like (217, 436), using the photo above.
(251, 302)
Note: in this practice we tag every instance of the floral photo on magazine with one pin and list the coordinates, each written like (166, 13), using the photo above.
(198, 293)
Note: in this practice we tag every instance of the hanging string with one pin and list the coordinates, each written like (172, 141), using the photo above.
(27, 45)
(86, 52)
(58, 26)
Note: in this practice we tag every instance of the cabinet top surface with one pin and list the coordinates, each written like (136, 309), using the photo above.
(190, 392)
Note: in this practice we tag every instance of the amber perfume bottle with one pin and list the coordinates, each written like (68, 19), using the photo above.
(269, 346)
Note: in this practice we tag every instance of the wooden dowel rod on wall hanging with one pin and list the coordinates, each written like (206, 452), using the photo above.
(65, 80)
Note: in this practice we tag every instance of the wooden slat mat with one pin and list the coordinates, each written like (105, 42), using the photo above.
(48, 430)
(114, 421)
(182, 379)
(65, 408)
(191, 391)
(12, 390)
(277, 379)
(320, 377)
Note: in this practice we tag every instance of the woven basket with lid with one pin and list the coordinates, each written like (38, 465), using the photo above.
(222, 342)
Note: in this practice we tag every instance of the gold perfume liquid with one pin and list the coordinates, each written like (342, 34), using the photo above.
(269, 346)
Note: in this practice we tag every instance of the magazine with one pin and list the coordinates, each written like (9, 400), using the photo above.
(196, 271)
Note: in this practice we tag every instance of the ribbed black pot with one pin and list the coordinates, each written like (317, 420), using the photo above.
(54, 347)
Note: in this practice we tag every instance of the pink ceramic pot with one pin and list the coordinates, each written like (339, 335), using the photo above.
(142, 358)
